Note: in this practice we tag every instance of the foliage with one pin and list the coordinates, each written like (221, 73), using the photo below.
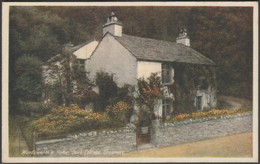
(188, 79)
(34, 109)
(120, 112)
(64, 120)
(41, 32)
(71, 84)
(211, 113)
(149, 91)
(107, 89)
(29, 82)
(109, 92)
(148, 94)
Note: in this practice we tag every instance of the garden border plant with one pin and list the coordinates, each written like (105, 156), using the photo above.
(68, 120)
(214, 113)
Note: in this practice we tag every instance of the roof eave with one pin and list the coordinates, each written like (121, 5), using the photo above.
(160, 61)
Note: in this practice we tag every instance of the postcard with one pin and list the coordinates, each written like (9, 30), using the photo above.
(129, 82)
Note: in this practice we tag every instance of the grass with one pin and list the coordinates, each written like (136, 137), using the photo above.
(27, 130)
(17, 144)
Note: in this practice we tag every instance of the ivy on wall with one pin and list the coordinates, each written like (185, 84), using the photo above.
(188, 78)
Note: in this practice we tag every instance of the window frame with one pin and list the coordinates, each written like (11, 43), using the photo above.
(166, 107)
(166, 67)
(81, 63)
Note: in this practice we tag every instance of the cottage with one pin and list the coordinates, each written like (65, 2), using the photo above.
(130, 57)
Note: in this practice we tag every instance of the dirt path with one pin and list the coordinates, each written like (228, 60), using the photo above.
(234, 103)
(239, 145)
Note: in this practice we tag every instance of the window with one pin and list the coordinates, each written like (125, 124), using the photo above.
(166, 108)
(166, 74)
(81, 63)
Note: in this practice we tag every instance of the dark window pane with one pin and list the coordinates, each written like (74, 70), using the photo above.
(166, 73)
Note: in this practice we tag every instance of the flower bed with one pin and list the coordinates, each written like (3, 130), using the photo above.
(63, 120)
(119, 112)
(211, 113)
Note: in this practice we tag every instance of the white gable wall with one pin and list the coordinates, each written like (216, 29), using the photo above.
(145, 69)
(86, 51)
(110, 56)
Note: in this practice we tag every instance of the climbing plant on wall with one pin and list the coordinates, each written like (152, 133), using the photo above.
(187, 79)
(148, 94)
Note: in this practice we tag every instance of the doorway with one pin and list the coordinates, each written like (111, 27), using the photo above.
(199, 102)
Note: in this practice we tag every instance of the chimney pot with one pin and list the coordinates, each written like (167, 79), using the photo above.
(183, 38)
(113, 26)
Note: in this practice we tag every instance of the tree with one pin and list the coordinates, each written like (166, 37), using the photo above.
(29, 83)
(41, 32)
(68, 80)
(107, 89)
(148, 94)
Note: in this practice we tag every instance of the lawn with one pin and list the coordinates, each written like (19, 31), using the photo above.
(17, 144)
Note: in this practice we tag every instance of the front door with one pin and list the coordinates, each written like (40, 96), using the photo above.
(198, 102)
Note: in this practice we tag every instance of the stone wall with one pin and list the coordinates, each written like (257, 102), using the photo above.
(110, 143)
(92, 144)
(194, 130)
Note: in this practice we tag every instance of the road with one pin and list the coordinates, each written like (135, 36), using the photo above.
(239, 145)
(236, 103)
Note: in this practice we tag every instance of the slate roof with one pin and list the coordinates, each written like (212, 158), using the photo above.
(77, 47)
(158, 50)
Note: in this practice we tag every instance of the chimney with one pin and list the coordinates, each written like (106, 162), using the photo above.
(113, 26)
(183, 38)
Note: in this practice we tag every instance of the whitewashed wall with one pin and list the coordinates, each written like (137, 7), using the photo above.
(86, 51)
(145, 68)
(115, 29)
(208, 98)
(110, 56)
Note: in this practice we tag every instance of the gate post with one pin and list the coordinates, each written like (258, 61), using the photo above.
(154, 132)
(34, 143)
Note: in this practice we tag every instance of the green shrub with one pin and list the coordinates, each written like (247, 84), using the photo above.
(120, 112)
(34, 109)
(144, 116)
(110, 93)
(66, 119)
(107, 89)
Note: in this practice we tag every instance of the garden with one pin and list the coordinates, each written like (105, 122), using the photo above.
(65, 111)
(216, 113)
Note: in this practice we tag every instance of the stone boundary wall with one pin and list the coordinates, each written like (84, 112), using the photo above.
(111, 143)
(90, 144)
(194, 130)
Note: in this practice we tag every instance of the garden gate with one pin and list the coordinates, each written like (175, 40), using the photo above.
(143, 135)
